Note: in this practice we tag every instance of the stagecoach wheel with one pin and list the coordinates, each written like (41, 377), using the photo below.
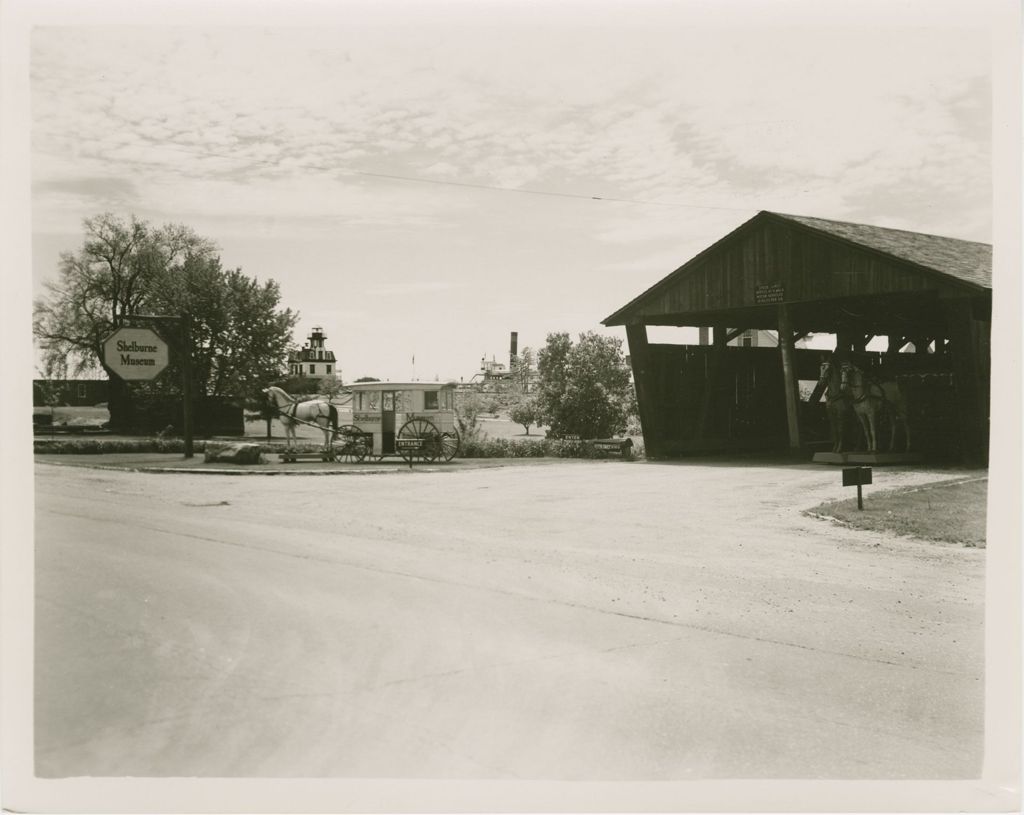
(425, 433)
(450, 444)
(352, 444)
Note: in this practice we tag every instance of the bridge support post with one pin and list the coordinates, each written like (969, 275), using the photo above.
(789, 376)
(639, 356)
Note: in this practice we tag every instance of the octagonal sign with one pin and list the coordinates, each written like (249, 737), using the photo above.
(135, 353)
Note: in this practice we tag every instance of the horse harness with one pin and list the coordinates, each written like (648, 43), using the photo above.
(292, 412)
(838, 395)
(869, 383)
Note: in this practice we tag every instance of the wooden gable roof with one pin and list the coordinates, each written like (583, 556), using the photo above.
(806, 259)
(968, 261)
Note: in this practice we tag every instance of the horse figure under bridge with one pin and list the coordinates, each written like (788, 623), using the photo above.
(871, 398)
(838, 403)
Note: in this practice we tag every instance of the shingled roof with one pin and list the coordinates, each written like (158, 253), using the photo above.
(965, 260)
(964, 264)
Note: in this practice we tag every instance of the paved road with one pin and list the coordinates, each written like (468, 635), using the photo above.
(569, 620)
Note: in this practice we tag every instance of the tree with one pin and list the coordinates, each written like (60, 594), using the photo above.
(240, 337)
(367, 379)
(584, 388)
(124, 268)
(330, 386)
(119, 266)
(51, 384)
(469, 405)
(524, 411)
(522, 370)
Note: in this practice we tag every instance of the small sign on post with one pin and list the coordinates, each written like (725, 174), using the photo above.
(857, 476)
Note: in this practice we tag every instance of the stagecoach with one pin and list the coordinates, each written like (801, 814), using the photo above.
(414, 420)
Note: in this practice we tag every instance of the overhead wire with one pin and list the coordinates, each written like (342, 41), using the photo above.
(450, 183)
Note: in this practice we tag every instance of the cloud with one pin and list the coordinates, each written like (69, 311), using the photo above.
(413, 287)
(247, 119)
(98, 187)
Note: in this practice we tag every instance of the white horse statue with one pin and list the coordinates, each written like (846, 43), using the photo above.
(873, 397)
(292, 413)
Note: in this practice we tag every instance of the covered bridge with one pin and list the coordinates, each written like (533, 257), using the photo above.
(922, 302)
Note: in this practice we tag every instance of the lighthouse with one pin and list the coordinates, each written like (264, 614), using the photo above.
(313, 359)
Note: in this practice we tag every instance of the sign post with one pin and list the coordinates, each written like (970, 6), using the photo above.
(186, 381)
(857, 476)
(140, 354)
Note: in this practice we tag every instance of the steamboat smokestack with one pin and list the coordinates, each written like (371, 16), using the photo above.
(513, 349)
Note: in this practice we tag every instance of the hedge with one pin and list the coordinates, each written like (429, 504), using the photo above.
(97, 446)
(480, 448)
(541, 448)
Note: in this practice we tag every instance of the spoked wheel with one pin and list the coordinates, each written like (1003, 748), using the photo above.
(418, 440)
(351, 447)
(450, 444)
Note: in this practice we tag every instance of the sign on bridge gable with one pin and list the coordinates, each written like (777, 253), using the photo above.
(135, 353)
(769, 293)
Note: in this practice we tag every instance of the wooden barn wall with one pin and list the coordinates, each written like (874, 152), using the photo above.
(744, 407)
(808, 267)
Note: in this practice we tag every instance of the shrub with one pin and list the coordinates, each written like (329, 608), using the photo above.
(541, 448)
(66, 446)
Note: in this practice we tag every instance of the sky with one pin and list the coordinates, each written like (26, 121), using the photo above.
(422, 179)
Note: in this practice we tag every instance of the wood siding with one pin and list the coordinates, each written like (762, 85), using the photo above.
(808, 266)
(747, 400)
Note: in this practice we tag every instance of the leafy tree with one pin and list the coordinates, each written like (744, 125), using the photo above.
(51, 384)
(367, 379)
(524, 411)
(240, 338)
(119, 266)
(584, 388)
(124, 268)
(552, 362)
(298, 385)
(522, 370)
(330, 386)
(469, 406)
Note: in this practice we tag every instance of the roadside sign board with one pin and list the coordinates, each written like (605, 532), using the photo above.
(135, 353)
(855, 476)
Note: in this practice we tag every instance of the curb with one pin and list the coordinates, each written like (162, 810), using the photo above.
(266, 470)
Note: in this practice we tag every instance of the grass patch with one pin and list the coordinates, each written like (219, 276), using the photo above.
(951, 511)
